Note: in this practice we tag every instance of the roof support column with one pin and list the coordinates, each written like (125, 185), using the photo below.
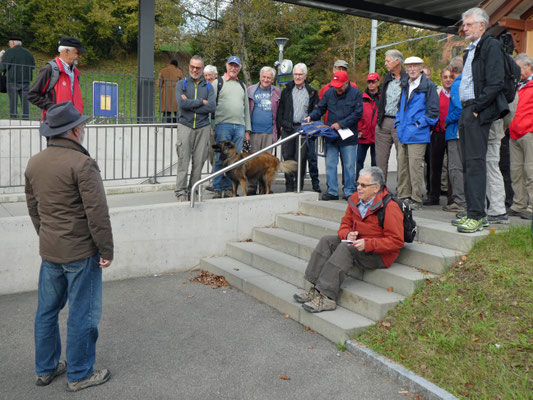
(145, 61)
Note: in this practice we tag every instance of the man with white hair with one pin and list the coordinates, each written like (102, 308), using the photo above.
(417, 114)
(59, 79)
(483, 102)
(18, 64)
(521, 132)
(263, 99)
(298, 100)
(389, 101)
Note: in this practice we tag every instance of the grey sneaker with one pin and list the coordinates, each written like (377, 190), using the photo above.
(498, 219)
(320, 303)
(304, 297)
(454, 207)
(98, 377)
(181, 198)
(228, 193)
(522, 214)
(47, 379)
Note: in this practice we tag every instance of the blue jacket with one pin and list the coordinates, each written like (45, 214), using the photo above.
(454, 110)
(418, 113)
(192, 111)
(346, 109)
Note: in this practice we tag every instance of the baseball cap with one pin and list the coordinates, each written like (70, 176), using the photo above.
(373, 76)
(339, 79)
(72, 42)
(341, 63)
(234, 60)
(413, 60)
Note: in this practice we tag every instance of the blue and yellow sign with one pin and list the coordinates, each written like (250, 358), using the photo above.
(105, 99)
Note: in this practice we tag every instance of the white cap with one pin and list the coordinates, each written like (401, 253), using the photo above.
(413, 60)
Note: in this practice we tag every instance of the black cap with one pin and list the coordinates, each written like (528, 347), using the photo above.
(14, 37)
(72, 42)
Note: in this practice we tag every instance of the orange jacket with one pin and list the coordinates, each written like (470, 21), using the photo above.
(386, 241)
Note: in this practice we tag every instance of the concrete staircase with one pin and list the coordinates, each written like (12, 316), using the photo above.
(271, 268)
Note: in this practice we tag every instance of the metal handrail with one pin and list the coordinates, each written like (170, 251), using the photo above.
(251, 156)
(170, 125)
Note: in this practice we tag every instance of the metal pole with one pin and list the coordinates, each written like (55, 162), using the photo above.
(373, 43)
(299, 177)
(155, 154)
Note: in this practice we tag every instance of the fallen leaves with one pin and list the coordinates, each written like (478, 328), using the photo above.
(285, 377)
(389, 289)
(209, 279)
(287, 316)
(307, 329)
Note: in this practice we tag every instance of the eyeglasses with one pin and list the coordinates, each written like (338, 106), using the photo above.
(298, 74)
(195, 68)
(364, 185)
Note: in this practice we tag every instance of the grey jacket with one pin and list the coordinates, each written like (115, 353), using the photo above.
(192, 111)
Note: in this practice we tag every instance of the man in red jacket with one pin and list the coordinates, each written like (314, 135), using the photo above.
(521, 132)
(45, 92)
(360, 242)
(367, 124)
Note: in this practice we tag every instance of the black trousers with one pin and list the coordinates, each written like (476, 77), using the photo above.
(437, 149)
(289, 151)
(473, 138)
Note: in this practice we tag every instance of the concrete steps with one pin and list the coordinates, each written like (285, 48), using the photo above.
(271, 268)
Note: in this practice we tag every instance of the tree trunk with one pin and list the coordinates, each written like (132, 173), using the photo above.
(242, 42)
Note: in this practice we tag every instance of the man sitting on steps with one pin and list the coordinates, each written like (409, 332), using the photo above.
(370, 246)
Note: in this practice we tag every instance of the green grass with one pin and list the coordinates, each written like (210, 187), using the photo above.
(470, 331)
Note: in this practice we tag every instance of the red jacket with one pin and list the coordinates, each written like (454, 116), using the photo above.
(367, 124)
(38, 96)
(523, 120)
(386, 241)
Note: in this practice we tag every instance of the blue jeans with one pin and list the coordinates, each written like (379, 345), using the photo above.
(362, 149)
(332, 160)
(232, 132)
(80, 283)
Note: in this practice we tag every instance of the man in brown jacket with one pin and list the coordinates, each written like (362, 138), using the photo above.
(168, 77)
(67, 205)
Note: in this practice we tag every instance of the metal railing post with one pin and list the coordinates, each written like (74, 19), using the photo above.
(299, 178)
(155, 154)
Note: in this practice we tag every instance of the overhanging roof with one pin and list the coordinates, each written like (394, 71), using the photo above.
(437, 15)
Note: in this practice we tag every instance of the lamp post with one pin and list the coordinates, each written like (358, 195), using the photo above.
(281, 42)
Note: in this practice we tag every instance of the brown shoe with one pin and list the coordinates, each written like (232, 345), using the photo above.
(47, 379)
(98, 377)
(304, 297)
(320, 303)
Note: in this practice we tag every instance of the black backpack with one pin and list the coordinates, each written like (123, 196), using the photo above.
(409, 224)
(511, 68)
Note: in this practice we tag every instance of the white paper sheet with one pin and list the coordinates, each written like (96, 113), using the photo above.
(345, 133)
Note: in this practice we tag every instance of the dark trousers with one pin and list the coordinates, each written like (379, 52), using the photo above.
(505, 168)
(289, 151)
(167, 117)
(332, 260)
(14, 91)
(362, 149)
(474, 138)
(437, 149)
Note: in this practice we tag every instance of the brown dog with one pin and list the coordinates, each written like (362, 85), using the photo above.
(263, 168)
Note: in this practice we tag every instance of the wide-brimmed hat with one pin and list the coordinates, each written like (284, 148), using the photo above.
(14, 37)
(72, 42)
(413, 60)
(60, 118)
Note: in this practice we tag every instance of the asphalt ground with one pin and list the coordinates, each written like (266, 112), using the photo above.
(164, 337)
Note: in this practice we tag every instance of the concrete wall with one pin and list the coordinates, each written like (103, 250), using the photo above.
(151, 239)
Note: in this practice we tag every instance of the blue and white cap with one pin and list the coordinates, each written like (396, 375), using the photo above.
(234, 60)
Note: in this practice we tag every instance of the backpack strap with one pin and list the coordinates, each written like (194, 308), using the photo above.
(221, 83)
(381, 212)
(54, 77)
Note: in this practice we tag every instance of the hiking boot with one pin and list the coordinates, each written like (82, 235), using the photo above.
(316, 188)
(210, 188)
(97, 378)
(460, 219)
(454, 207)
(498, 219)
(229, 193)
(522, 214)
(181, 198)
(47, 379)
(320, 303)
(415, 206)
(218, 194)
(304, 297)
(329, 196)
(471, 225)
